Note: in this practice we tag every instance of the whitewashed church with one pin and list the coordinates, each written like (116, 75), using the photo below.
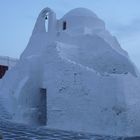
(74, 75)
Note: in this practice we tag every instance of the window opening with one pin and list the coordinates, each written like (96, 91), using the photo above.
(46, 22)
(64, 25)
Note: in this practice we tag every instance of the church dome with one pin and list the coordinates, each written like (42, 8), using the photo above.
(80, 12)
(77, 20)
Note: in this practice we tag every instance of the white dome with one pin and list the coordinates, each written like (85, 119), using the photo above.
(81, 12)
(81, 20)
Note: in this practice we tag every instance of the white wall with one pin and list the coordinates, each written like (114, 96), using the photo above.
(8, 61)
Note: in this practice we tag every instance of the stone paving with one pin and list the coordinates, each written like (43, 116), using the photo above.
(12, 131)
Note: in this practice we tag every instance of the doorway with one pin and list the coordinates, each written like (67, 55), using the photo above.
(42, 116)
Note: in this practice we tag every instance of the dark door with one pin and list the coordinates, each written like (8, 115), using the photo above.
(42, 118)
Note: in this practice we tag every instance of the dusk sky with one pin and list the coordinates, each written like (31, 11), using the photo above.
(122, 18)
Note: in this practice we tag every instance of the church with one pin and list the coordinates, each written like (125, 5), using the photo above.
(74, 75)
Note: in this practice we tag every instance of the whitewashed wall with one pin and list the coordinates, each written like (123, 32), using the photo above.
(8, 61)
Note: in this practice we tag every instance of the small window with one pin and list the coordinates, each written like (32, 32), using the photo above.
(64, 25)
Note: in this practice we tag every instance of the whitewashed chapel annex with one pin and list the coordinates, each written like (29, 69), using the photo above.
(73, 75)
(6, 63)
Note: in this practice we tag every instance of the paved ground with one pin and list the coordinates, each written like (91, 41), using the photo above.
(11, 131)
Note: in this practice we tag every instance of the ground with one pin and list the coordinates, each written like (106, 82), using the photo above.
(11, 131)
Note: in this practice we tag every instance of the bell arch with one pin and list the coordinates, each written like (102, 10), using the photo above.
(46, 22)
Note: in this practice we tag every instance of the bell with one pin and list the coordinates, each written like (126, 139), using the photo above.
(46, 17)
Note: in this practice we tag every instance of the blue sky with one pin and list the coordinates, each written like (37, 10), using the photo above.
(122, 18)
